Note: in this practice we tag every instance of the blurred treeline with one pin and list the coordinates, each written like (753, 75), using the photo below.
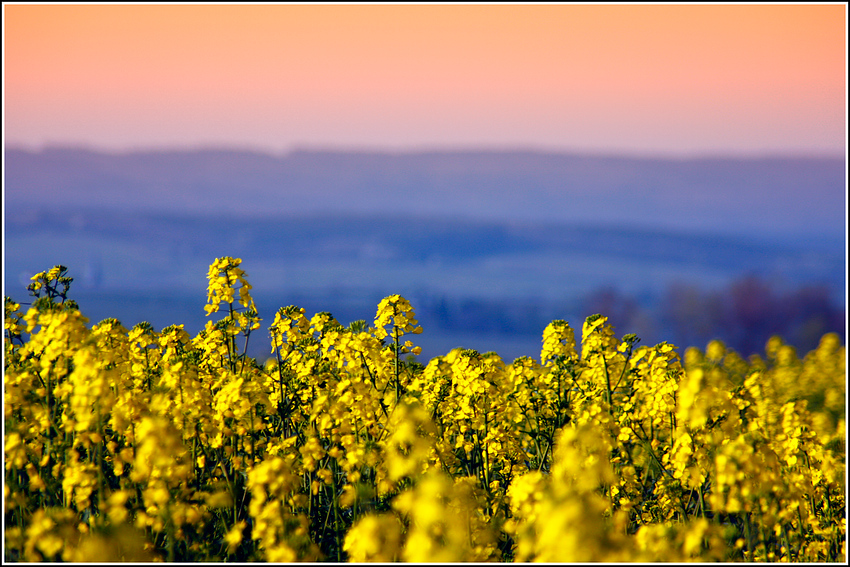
(749, 311)
(744, 314)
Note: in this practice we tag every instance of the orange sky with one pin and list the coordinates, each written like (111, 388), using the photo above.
(684, 79)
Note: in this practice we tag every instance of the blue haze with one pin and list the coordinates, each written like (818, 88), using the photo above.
(488, 246)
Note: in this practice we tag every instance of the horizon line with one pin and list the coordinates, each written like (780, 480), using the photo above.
(425, 149)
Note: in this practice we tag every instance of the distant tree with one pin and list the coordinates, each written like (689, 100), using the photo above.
(753, 314)
(691, 316)
(747, 313)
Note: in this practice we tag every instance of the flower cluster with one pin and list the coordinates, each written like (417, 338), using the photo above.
(137, 444)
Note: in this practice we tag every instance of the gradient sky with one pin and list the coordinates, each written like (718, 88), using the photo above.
(644, 79)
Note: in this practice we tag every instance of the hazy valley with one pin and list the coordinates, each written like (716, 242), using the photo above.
(488, 247)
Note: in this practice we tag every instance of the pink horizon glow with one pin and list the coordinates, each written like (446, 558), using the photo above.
(645, 79)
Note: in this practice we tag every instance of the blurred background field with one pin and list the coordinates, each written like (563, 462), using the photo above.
(770, 261)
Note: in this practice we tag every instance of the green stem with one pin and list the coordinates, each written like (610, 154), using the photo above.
(652, 452)
(397, 372)
(749, 536)
(787, 543)
(336, 513)
(245, 351)
(625, 368)
(607, 384)
(170, 536)
(231, 340)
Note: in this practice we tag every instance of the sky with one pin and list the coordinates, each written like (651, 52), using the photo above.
(654, 79)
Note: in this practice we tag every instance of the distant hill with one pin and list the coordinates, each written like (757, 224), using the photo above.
(143, 250)
(484, 284)
(768, 198)
(489, 246)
